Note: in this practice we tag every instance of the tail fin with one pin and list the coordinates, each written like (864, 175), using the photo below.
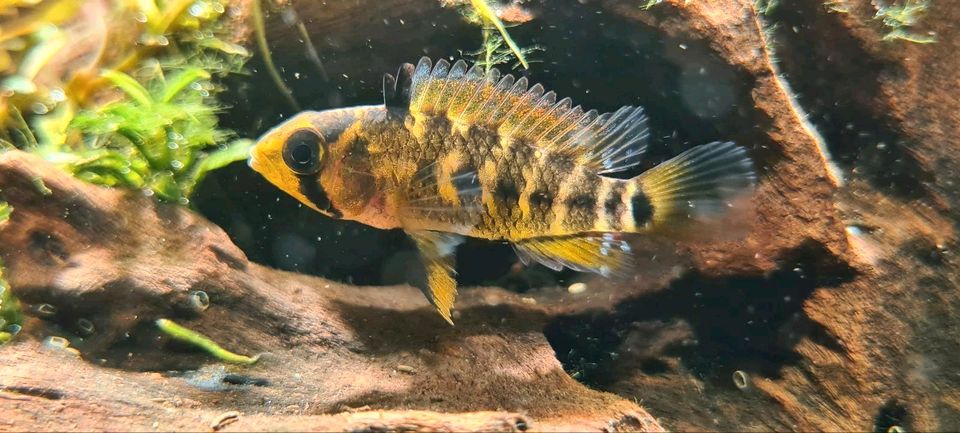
(701, 185)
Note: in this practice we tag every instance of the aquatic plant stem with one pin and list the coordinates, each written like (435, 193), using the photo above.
(488, 49)
(488, 14)
(178, 332)
(261, 35)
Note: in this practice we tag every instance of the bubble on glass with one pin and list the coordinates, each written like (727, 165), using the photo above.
(57, 95)
(39, 108)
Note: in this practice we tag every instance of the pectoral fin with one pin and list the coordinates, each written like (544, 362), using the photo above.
(437, 250)
(606, 254)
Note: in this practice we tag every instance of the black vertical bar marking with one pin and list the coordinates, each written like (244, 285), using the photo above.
(310, 187)
(642, 209)
(581, 203)
(613, 206)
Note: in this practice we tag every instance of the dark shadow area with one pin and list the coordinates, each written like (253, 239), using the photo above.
(384, 331)
(892, 414)
(748, 323)
(838, 82)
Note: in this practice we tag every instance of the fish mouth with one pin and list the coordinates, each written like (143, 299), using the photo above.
(252, 159)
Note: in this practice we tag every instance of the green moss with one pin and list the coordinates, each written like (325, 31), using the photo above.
(900, 18)
(10, 316)
(148, 118)
(157, 138)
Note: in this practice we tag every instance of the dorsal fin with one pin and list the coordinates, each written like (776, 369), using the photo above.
(396, 91)
(609, 143)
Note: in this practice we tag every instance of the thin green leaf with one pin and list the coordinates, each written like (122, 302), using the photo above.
(238, 150)
(180, 81)
(130, 86)
(5, 211)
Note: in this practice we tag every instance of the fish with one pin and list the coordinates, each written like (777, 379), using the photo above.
(455, 151)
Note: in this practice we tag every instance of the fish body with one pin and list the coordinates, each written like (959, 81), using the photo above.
(455, 152)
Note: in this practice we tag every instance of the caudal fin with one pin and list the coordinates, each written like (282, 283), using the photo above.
(695, 189)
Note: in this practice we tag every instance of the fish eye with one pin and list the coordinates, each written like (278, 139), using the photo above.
(302, 151)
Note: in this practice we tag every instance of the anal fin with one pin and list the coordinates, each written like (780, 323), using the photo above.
(437, 250)
(602, 253)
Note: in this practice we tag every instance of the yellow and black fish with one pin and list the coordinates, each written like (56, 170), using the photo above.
(456, 152)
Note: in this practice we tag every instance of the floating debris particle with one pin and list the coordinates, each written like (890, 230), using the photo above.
(896, 429)
(741, 379)
(225, 419)
(528, 301)
(195, 338)
(406, 369)
(576, 288)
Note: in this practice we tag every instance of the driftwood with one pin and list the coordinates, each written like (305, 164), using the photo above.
(836, 312)
(120, 260)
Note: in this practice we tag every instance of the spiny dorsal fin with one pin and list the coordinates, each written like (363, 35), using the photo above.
(606, 254)
(396, 91)
(609, 143)
(437, 250)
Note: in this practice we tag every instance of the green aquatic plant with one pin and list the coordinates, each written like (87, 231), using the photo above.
(143, 114)
(837, 6)
(261, 35)
(162, 138)
(180, 333)
(765, 7)
(10, 316)
(495, 52)
(486, 15)
(651, 3)
(900, 17)
(498, 46)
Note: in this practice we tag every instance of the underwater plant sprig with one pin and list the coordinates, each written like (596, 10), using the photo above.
(142, 114)
(169, 128)
(181, 333)
(10, 312)
(489, 16)
(901, 17)
(498, 46)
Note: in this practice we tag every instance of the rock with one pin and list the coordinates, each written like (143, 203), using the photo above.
(120, 260)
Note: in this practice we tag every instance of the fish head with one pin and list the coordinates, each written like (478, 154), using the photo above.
(295, 156)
